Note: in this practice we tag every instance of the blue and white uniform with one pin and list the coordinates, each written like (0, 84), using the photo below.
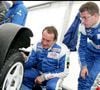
(50, 64)
(89, 54)
(16, 14)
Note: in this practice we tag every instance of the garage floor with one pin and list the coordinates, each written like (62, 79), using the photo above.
(70, 82)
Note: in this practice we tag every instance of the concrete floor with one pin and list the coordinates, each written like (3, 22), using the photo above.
(70, 81)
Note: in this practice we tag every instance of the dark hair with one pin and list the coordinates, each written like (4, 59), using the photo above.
(51, 29)
(91, 7)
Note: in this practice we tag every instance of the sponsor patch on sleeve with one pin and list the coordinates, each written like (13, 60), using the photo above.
(98, 36)
(19, 12)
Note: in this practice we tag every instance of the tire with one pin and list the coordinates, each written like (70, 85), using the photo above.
(11, 74)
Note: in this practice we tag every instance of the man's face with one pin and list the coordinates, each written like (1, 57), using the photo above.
(87, 19)
(47, 39)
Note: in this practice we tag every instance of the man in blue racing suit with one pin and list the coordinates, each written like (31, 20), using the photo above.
(46, 64)
(89, 47)
(17, 13)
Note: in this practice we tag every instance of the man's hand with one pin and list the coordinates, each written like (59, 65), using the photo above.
(84, 72)
(43, 77)
(38, 80)
(24, 55)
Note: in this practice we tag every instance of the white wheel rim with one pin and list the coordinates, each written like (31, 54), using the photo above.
(14, 77)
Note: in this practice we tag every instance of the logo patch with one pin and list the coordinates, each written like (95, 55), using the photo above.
(53, 55)
(98, 36)
(56, 49)
(19, 12)
(98, 30)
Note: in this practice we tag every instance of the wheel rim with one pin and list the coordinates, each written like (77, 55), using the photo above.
(14, 77)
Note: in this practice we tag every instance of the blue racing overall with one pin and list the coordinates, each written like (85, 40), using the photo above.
(89, 54)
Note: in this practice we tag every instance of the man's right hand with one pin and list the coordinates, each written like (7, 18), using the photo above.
(84, 72)
(24, 55)
(39, 80)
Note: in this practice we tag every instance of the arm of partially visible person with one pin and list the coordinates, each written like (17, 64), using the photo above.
(19, 16)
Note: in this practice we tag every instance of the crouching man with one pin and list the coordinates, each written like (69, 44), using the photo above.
(46, 63)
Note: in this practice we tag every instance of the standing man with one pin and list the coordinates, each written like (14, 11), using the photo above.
(89, 47)
(16, 14)
(47, 63)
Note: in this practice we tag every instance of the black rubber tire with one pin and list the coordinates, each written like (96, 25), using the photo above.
(15, 61)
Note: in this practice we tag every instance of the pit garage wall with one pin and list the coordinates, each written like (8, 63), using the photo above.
(46, 15)
(57, 13)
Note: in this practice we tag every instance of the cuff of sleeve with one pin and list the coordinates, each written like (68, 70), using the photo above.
(43, 77)
(48, 76)
(83, 66)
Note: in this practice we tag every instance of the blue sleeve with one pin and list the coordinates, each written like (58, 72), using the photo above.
(82, 49)
(31, 61)
(19, 16)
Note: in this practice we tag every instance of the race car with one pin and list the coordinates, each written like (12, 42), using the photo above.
(12, 38)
